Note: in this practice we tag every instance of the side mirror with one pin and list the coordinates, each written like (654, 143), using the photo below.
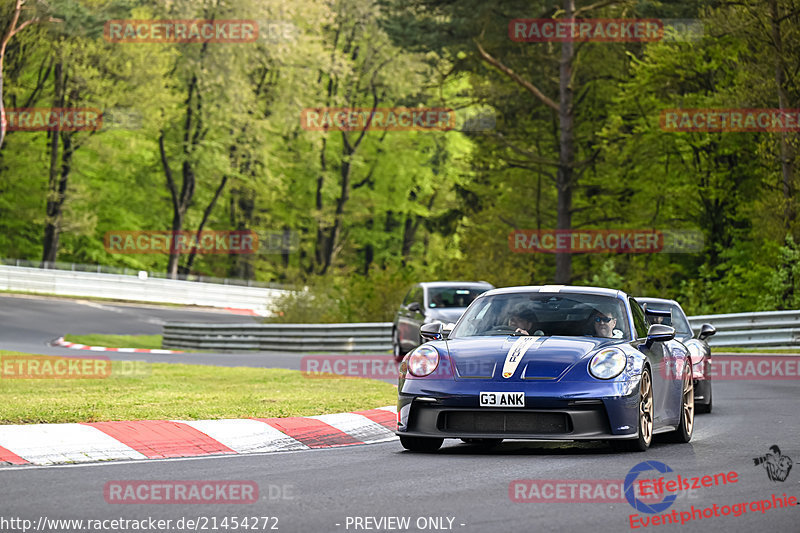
(431, 332)
(706, 330)
(414, 307)
(659, 333)
(447, 328)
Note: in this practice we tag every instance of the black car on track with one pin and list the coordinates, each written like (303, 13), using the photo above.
(434, 301)
(670, 313)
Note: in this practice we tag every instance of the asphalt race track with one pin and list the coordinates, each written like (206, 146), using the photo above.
(29, 323)
(460, 488)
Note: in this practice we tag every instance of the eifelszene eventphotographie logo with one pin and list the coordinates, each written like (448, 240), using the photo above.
(775, 463)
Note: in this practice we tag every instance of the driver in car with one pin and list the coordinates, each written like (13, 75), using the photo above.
(604, 322)
(524, 320)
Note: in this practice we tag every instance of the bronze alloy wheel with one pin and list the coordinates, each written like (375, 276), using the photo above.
(646, 409)
(683, 433)
(688, 400)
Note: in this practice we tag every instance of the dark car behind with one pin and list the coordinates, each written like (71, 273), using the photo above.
(435, 301)
(697, 345)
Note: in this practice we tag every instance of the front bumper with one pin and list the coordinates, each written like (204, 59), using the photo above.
(553, 410)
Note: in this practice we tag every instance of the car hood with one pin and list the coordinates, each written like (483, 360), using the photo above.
(542, 357)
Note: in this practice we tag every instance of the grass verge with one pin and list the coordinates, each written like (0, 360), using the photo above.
(785, 351)
(117, 341)
(179, 392)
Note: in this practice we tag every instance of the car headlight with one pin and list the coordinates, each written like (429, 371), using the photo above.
(608, 363)
(423, 361)
(696, 356)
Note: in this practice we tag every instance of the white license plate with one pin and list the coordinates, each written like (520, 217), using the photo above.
(502, 399)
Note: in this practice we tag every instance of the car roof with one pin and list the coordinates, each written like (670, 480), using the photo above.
(648, 300)
(568, 289)
(437, 284)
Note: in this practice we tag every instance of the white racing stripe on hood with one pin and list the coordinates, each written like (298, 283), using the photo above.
(516, 353)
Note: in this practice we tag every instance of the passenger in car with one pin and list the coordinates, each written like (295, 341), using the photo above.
(437, 301)
(524, 319)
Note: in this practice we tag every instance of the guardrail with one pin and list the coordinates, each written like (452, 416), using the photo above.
(129, 271)
(368, 337)
(117, 286)
(771, 328)
(776, 328)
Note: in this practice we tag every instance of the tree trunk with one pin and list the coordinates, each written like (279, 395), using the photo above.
(2, 108)
(174, 255)
(242, 207)
(182, 201)
(786, 155)
(12, 28)
(206, 214)
(344, 196)
(566, 148)
(59, 174)
(320, 250)
(409, 231)
(369, 256)
(287, 246)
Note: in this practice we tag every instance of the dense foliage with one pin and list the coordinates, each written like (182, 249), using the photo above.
(209, 136)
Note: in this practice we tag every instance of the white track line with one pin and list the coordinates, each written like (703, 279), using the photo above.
(46, 444)
(357, 426)
(246, 436)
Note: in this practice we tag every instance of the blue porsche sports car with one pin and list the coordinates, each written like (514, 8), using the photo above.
(549, 362)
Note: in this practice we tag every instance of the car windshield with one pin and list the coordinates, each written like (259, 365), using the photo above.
(677, 320)
(458, 296)
(544, 314)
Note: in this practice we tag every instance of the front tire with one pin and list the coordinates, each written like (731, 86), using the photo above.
(421, 444)
(397, 352)
(705, 407)
(683, 433)
(645, 432)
